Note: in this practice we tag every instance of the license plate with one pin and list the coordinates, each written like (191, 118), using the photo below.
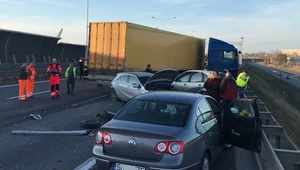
(118, 166)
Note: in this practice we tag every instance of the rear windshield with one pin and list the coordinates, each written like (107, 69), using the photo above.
(144, 79)
(154, 112)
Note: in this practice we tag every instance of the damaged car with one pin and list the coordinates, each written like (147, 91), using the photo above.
(127, 85)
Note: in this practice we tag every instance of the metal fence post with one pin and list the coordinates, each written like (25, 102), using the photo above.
(14, 59)
(278, 142)
(33, 57)
(45, 61)
(27, 59)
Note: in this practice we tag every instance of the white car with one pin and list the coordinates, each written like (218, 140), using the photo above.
(192, 80)
(127, 85)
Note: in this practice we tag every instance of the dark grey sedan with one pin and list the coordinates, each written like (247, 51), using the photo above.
(175, 130)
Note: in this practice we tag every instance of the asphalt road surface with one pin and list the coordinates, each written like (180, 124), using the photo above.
(293, 78)
(13, 111)
(66, 113)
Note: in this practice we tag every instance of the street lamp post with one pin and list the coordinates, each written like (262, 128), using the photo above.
(87, 29)
(164, 20)
(242, 38)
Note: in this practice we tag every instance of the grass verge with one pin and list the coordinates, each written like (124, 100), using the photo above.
(281, 98)
(292, 70)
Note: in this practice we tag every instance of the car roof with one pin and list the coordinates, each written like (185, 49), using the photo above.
(137, 74)
(172, 97)
(204, 71)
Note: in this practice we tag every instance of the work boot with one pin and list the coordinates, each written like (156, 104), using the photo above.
(57, 96)
(68, 92)
(52, 97)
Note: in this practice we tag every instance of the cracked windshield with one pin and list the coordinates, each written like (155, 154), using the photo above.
(149, 85)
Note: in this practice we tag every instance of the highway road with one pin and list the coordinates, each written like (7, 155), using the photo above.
(66, 113)
(293, 78)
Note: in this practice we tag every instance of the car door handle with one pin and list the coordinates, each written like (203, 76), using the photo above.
(235, 133)
(200, 85)
(184, 84)
(209, 134)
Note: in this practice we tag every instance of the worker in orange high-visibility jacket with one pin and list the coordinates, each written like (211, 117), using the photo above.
(30, 81)
(23, 75)
(54, 71)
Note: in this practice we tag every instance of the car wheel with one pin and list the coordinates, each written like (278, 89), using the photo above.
(205, 163)
(113, 95)
(90, 124)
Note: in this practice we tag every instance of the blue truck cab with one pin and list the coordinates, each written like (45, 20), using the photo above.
(222, 56)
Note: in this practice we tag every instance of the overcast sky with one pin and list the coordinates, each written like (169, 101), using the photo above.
(265, 25)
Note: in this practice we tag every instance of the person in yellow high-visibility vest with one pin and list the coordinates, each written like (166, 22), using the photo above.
(241, 82)
(71, 74)
(85, 70)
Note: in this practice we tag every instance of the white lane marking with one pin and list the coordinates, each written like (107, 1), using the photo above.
(89, 100)
(38, 82)
(42, 92)
(89, 163)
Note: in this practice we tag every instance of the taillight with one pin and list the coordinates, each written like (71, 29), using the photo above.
(172, 147)
(103, 138)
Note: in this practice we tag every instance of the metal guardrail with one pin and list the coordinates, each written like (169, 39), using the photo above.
(279, 152)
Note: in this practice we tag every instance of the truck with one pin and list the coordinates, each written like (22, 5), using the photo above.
(122, 46)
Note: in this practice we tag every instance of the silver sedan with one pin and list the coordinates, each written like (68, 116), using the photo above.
(175, 131)
(192, 80)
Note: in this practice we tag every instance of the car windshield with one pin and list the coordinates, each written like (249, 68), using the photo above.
(143, 79)
(154, 112)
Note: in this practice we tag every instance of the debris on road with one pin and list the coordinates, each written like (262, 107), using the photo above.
(34, 116)
(64, 133)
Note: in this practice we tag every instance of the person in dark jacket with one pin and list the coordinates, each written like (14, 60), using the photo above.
(228, 90)
(212, 86)
(148, 69)
(81, 68)
(23, 76)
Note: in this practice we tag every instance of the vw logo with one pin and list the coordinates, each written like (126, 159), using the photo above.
(132, 143)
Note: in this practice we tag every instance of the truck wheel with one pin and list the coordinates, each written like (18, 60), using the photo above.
(113, 95)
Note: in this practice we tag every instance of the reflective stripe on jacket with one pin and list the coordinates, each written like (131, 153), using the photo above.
(67, 72)
(242, 80)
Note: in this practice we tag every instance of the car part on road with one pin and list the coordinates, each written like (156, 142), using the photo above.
(90, 124)
(64, 133)
(113, 96)
(34, 116)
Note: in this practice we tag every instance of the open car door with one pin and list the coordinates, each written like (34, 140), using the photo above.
(161, 80)
(242, 125)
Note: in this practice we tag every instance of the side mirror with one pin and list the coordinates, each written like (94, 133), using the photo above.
(240, 52)
(234, 110)
(202, 91)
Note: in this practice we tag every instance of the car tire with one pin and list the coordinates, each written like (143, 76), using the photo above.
(205, 162)
(90, 124)
(113, 95)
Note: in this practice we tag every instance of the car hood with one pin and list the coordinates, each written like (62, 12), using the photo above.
(161, 80)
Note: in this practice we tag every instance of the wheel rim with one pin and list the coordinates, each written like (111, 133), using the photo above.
(205, 164)
(113, 96)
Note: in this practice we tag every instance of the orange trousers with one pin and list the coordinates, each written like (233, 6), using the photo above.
(22, 88)
(30, 87)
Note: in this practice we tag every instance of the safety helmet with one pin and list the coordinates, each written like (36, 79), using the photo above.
(80, 60)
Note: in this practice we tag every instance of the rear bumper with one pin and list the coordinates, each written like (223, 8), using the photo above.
(105, 162)
(108, 165)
